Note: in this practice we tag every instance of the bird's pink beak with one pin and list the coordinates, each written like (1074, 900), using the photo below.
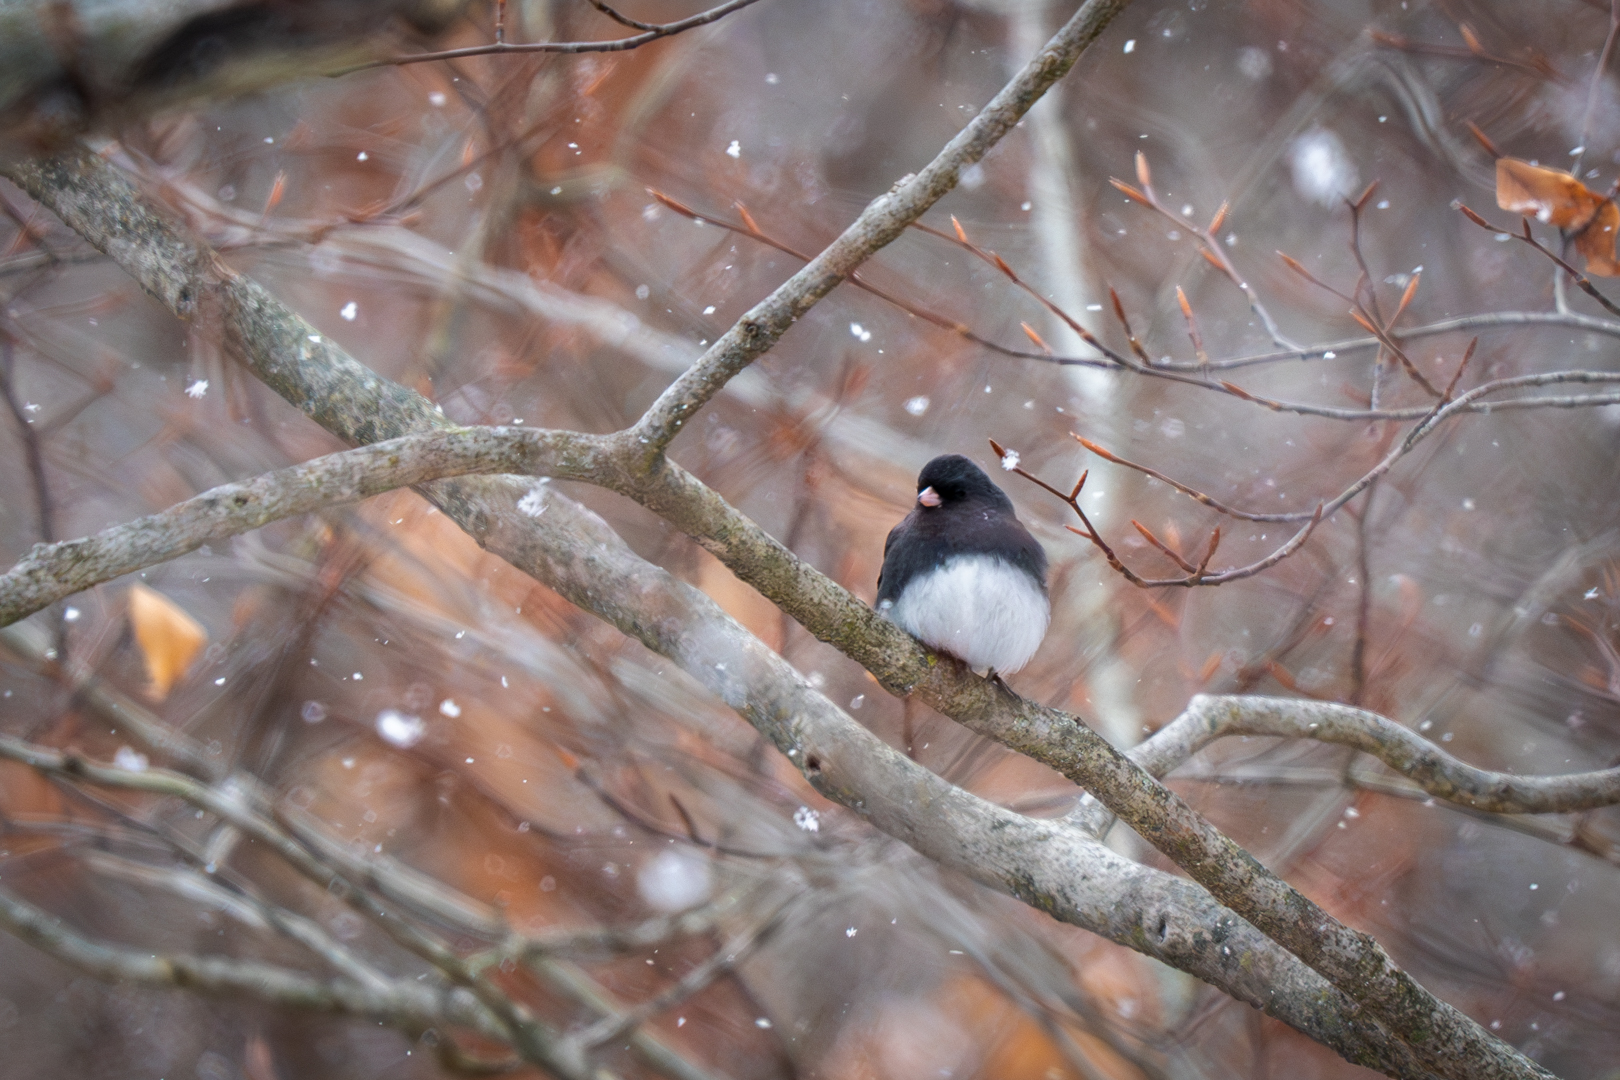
(928, 497)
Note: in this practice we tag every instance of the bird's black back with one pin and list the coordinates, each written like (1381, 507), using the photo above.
(974, 517)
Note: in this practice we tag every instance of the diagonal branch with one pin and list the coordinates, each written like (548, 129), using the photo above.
(884, 219)
(842, 760)
(575, 553)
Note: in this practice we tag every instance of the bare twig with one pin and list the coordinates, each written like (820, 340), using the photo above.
(1209, 244)
(651, 32)
(719, 963)
(1525, 236)
(1536, 66)
(403, 1002)
(1208, 718)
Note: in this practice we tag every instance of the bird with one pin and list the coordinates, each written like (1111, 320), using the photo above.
(962, 574)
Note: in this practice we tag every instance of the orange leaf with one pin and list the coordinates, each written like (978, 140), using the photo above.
(1596, 241)
(1551, 196)
(168, 638)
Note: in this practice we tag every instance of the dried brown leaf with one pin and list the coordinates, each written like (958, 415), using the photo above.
(1551, 196)
(168, 638)
(1596, 241)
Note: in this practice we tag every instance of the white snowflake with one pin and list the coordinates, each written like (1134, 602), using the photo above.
(197, 389)
(401, 729)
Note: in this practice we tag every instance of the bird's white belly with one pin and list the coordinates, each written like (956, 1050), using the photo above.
(977, 608)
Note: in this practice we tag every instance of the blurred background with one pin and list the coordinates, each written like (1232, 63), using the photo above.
(482, 230)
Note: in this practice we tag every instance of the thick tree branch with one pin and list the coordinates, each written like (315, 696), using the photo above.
(353, 402)
(51, 571)
(578, 555)
(1353, 961)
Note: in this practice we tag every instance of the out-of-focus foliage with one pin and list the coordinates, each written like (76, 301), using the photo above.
(481, 230)
(66, 67)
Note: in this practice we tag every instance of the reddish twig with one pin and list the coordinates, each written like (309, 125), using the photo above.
(1192, 327)
(751, 229)
(1209, 246)
(1365, 319)
(1582, 282)
(1536, 65)
(1445, 408)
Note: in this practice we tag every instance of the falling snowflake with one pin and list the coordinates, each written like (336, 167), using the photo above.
(1009, 460)
(197, 389)
(918, 405)
(350, 310)
(807, 819)
(401, 729)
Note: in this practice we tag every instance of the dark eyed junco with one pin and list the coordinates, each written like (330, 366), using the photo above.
(962, 574)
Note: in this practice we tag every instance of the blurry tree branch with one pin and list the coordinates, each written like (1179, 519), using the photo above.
(404, 1003)
(1073, 876)
(650, 32)
(68, 67)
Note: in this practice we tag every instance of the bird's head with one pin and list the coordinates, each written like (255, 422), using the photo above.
(952, 478)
